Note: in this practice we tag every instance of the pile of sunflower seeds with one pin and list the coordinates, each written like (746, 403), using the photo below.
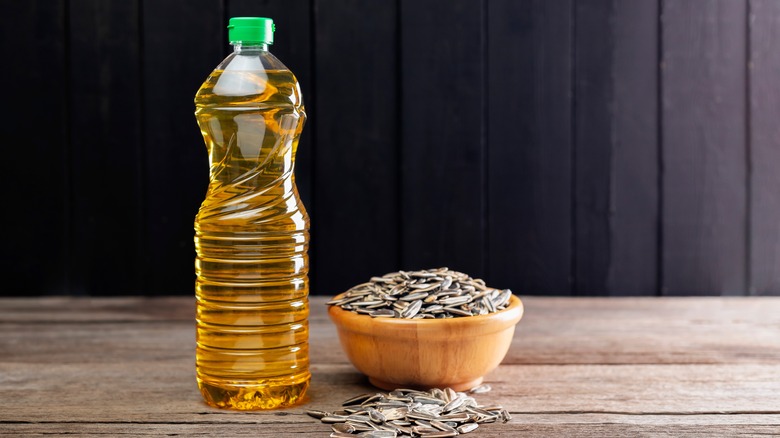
(409, 413)
(432, 293)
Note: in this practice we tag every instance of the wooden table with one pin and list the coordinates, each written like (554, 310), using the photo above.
(577, 367)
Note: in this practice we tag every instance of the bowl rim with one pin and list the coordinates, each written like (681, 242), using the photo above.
(480, 324)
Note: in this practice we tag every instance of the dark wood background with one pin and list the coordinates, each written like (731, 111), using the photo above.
(573, 147)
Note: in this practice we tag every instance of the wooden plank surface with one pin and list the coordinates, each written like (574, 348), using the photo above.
(686, 366)
(764, 185)
(529, 166)
(599, 427)
(552, 332)
(533, 389)
(704, 147)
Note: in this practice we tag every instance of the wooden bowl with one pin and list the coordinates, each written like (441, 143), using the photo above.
(427, 353)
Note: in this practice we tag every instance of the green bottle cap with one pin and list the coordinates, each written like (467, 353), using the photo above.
(251, 30)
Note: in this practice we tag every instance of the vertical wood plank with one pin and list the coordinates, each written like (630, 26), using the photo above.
(443, 97)
(105, 133)
(293, 46)
(593, 98)
(35, 148)
(634, 198)
(529, 150)
(704, 147)
(616, 147)
(765, 147)
(182, 43)
(355, 120)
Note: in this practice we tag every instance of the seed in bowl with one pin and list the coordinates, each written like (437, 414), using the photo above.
(426, 294)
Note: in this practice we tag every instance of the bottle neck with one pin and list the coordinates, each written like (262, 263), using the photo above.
(249, 48)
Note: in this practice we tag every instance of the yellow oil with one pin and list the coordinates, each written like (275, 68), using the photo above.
(251, 238)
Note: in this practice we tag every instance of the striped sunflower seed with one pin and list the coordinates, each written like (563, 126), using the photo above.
(444, 293)
(435, 413)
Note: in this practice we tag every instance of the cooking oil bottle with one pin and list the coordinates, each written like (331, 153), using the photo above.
(252, 231)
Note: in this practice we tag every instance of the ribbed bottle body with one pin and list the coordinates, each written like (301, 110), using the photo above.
(251, 239)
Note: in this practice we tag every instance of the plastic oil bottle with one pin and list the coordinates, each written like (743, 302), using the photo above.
(252, 231)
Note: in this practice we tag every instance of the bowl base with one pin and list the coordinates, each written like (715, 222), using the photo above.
(459, 386)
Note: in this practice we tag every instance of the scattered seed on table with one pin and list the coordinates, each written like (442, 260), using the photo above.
(481, 389)
(468, 427)
(411, 413)
(317, 414)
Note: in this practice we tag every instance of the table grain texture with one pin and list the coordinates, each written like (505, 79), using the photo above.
(577, 367)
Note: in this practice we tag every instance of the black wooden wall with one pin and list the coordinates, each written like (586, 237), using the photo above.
(580, 147)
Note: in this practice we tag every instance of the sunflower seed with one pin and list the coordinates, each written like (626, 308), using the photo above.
(450, 395)
(367, 303)
(488, 303)
(358, 399)
(452, 301)
(454, 404)
(502, 298)
(458, 418)
(317, 414)
(468, 427)
(391, 404)
(458, 311)
(422, 287)
(440, 434)
(412, 309)
(403, 429)
(360, 427)
(344, 301)
(481, 389)
(433, 308)
(373, 398)
(435, 413)
(441, 426)
(429, 400)
(383, 313)
(422, 430)
(445, 293)
(417, 415)
(378, 434)
(343, 427)
(376, 416)
(395, 413)
(414, 296)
